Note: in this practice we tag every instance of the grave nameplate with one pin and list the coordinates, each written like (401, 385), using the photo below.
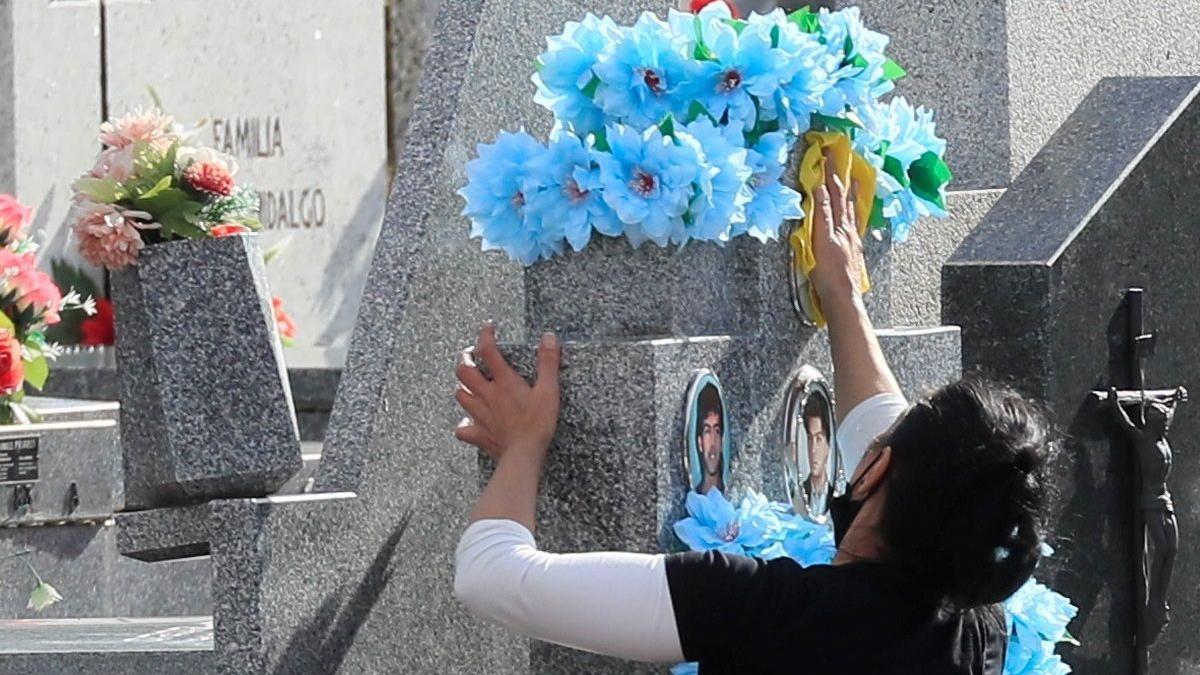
(19, 460)
(296, 93)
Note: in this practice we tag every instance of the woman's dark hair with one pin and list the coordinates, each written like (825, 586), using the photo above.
(966, 492)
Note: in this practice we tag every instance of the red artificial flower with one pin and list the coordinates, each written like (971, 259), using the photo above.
(98, 329)
(211, 177)
(12, 368)
(229, 229)
(698, 5)
(287, 327)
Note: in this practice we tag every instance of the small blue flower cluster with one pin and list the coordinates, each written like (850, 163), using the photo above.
(1037, 623)
(1037, 616)
(757, 527)
(668, 131)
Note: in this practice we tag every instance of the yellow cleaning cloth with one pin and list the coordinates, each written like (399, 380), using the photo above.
(849, 166)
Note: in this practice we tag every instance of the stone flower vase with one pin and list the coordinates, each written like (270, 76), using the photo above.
(206, 410)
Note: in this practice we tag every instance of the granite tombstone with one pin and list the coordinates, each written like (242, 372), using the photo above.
(296, 93)
(1108, 204)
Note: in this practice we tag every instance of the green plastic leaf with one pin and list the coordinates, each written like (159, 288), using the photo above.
(928, 175)
(892, 71)
(893, 168)
(878, 221)
(831, 123)
(180, 221)
(166, 164)
(667, 126)
(592, 85)
(860, 61)
(161, 201)
(36, 372)
(102, 190)
(67, 275)
(739, 25)
(697, 110)
(600, 140)
(6, 323)
(157, 189)
(806, 19)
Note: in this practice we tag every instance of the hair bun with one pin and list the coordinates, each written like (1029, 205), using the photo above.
(966, 492)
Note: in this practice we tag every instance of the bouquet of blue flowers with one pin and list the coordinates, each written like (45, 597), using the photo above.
(669, 131)
(1037, 616)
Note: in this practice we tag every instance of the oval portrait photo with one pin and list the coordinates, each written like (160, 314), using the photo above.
(812, 464)
(706, 429)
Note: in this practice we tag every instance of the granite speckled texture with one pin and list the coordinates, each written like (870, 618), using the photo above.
(313, 387)
(166, 533)
(84, 564)
(193, 426)
(615, 477)
(956, 55)
(82, 452)
(1110, 203)
(1058, 51)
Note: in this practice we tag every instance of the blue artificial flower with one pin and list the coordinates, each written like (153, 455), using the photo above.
(568, 196)
(648, 180)
(565, 78)
(806, 70)
(718, 209)
(643, 72)
(860, 78)
(713, 524)
(498, 188)
(903, 132)
(806, 542)
(772, 202)
(1037, 621)
(742, 68)
(690, 668)
(893, 136)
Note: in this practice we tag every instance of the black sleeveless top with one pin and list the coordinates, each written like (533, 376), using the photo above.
(744, 616)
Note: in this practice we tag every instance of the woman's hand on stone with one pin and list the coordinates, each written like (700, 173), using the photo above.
(836, 245)
(504, 412)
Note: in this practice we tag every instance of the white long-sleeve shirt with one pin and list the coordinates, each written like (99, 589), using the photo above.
(612, 603)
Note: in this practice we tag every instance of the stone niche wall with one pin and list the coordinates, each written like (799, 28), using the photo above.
(1109, 203)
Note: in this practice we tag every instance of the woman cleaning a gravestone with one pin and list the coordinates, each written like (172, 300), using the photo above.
(941, 521)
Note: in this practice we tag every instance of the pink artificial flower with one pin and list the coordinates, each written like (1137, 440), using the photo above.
(110, 236)
(13, 263)
(211, 177)
(14, 218)
(114, 163)
(136, 125)
(36, 291)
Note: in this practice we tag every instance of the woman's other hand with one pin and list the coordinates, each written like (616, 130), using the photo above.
(504, 412)
(836, 245)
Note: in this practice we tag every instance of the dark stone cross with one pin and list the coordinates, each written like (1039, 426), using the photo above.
(1154, 512)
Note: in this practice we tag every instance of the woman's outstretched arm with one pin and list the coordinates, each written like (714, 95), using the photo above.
(611, 603)
(859, 369)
